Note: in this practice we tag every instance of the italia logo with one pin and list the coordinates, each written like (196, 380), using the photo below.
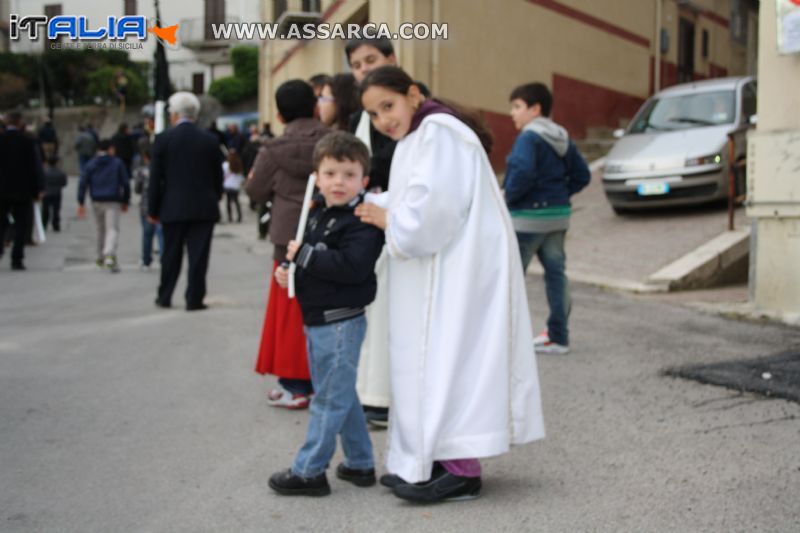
(77, 28)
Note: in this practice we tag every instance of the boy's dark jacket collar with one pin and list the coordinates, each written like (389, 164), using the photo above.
(428, 107)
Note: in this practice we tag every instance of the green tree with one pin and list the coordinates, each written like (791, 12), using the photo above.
(100, 83)
(68, 73)
(244, 82)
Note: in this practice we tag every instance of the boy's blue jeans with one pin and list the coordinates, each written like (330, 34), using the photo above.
(148, 231)
(549, 248)
(333, 352)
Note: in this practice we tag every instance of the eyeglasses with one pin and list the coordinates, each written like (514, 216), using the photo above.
(322, 99)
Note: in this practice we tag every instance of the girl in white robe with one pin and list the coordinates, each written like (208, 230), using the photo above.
(463, 372)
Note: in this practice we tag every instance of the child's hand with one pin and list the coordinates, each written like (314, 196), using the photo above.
(292, 249)
(282, 277)
(372, 214)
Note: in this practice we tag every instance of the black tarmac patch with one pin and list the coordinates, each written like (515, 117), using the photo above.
(776, 376)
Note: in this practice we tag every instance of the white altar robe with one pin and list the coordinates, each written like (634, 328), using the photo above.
(464, 380)
(372, 384)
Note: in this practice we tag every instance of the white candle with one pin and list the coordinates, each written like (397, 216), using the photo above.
(301, 227)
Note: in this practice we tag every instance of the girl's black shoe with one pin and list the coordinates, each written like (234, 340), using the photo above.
(391, 480)
(443, 486)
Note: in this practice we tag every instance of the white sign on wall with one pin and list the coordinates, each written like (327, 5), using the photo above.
(788, 26)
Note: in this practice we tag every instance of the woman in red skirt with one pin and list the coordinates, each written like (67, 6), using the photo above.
(279, 175)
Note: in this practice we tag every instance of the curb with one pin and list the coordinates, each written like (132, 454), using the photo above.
(703, 265)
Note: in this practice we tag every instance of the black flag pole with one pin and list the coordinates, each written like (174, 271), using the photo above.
(160, 78)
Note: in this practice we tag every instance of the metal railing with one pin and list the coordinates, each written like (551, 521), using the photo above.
(737, 172)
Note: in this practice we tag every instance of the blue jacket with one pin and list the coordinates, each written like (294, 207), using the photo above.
(106, 179)
(536, 177)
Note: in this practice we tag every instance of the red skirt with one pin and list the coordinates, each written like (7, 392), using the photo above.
(282, 351)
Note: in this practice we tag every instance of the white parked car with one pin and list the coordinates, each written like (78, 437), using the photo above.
(675, 150)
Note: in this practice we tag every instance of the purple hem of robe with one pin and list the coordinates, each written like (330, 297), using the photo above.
(463, 467)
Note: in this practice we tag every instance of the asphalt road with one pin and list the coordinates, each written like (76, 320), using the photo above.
(116, 416)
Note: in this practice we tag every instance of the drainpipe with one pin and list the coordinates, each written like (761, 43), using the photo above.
(435, 88)
(657, 51)
(398, 49)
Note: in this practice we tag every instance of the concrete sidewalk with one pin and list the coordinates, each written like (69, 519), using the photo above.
(622, 252)
(116, 416)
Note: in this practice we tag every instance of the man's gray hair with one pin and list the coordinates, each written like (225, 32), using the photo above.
(184, 104)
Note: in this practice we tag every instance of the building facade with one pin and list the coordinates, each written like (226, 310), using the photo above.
(601, 58)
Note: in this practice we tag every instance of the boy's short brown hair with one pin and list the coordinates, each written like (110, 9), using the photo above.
(341, 145)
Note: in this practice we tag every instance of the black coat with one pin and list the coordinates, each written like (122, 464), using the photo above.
(124, 146)
(336, 265)
(185, 175)
(21, 173)
(382, 152)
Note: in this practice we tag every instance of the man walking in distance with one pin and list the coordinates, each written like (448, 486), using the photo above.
(21, 183)
(184, 195)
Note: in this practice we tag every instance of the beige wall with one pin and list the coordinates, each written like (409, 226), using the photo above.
(773, 187)
(307, 58)
(494, 46)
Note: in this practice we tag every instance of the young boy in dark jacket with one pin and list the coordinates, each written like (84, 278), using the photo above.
(543, 170)
(107, 181)
(335, 281)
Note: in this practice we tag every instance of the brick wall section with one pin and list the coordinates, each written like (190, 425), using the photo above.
(578, 105)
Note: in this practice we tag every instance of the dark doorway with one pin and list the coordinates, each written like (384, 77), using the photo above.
(215, 14)
(685, 50)
(198, 83)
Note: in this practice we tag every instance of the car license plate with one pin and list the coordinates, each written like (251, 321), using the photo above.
(651, 189)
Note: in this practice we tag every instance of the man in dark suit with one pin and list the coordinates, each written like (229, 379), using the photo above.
(21, 183)
(185, 190)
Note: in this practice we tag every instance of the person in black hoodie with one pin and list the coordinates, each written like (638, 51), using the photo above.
(124, 146)
(335, 281)
(108, 184)
(55, 180)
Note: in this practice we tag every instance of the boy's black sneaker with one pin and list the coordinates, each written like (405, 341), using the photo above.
(358, 477)
(443, 486)
(289, 484)
(391, 480)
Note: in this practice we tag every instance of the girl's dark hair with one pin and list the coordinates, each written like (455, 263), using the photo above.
(345, 95)
(396, 80)
(234, 162)
(319, 80)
